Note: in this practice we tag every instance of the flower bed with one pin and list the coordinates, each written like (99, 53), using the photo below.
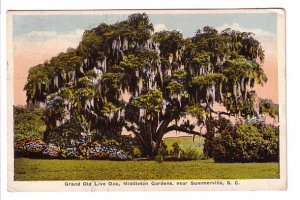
(30, 148)
(94, 150)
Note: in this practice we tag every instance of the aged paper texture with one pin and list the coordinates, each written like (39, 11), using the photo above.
(146, 100)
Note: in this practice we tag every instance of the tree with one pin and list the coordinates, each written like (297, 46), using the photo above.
(125, 76)
(29, 123)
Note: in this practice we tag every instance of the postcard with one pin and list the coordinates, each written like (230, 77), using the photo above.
(146, 100)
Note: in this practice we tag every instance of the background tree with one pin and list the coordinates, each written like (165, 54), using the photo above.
(29, 123)
(125, 76)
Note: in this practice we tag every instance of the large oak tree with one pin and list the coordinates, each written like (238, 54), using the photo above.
(126, 76)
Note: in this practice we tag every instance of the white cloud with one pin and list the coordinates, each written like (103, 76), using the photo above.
(42, 34)
(160, 27)
(163, 27)
(46, 36)
(259, 33)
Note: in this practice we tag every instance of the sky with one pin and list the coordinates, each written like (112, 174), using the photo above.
(38, 37)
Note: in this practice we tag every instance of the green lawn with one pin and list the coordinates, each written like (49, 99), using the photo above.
(36, 169)
(186, 143)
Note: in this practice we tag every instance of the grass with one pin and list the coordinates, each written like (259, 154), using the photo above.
(186, 143)
(36, 169)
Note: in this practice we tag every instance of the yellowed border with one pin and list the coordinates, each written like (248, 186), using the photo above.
(255, 184)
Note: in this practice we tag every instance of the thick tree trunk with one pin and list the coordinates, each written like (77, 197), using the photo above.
(209, 138)
(150, 149)
(152, 134)
(150, 146)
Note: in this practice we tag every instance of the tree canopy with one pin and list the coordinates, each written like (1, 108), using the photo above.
(125, 75)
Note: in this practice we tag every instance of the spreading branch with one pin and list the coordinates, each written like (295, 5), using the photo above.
(219, 113)
(182, 129)
(131, 128)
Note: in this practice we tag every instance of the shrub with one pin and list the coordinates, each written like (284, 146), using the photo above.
(130, 146)
(176, 150)
(136, 152)
(163, 151)
(159, 158)
(247, 142)
(191, 154)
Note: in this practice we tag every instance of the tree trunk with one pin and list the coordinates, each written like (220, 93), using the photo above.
(152, 134)
(209, 137)
(150, 147)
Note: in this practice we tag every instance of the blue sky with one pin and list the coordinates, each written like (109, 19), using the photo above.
(186, 23)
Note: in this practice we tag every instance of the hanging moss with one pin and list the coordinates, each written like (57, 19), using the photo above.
(159, 72)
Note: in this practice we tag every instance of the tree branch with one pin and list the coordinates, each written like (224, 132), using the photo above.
(163, 126)
(130, 128)
(136, 133)
(181, 129)
(219, 113)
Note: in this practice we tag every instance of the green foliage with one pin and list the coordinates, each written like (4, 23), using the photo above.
(86, 81)
(67, 92)
(247, 143)
(180, 74)
(208, 79)
(136, 152)
(90, 42)
(128, 145)
(146, 56)
(69, 133)
(109, 108)
(71, 130)
(175, 87)
(113, 79)
(55, 108)
(201, 59)
(159, 158)
(266, 106)
(191, 154)
(176, 151)
(131, 62)
(28, 123)
(196, 111)
(169, 41)
(37, 77)
(179, 149)
(186, 142)
(152, 101)
(163, 75)
(163, 150)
